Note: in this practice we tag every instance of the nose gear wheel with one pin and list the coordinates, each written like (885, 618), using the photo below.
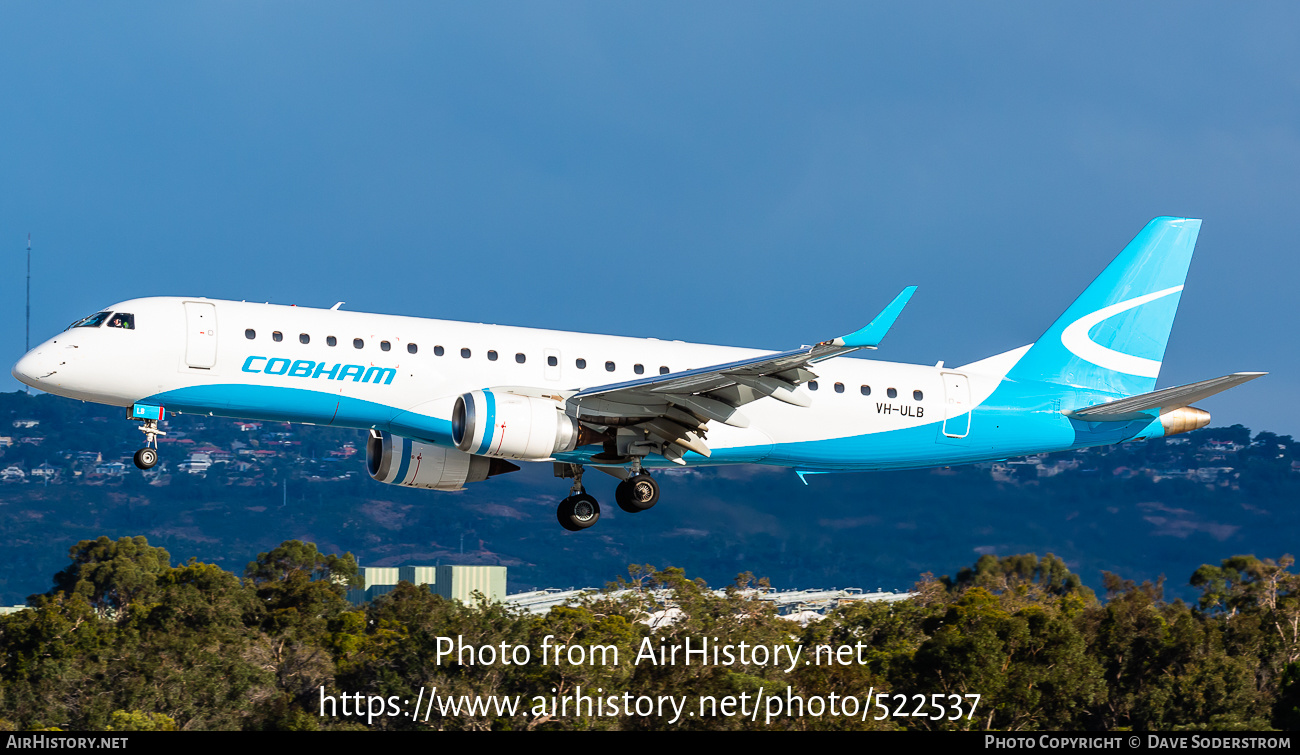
(146, 458)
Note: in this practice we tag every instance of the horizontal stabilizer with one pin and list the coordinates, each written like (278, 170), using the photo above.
(1134, 407)
(871, 336)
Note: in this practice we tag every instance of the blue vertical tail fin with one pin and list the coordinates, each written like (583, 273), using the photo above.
(1113, 337)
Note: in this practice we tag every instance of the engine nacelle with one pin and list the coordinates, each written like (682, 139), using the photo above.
(511, 426)
(410, 463)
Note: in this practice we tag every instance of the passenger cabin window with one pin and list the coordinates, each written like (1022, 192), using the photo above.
(638, 369)
(580, 364)
(385, 346)
(122, 320)
(331, 341)
(812, 385)
(663, 370)
(892, 392)
(94, 321)
(553, 361)
(277, 336)
(464, 353)
(357, 343)
(866, 390)
(411, 348)
(250, 334)
(839, 387)
(917, 395)
(609, 367)
(304, 338)
(520, 358)
(492, 355)
(438, 351)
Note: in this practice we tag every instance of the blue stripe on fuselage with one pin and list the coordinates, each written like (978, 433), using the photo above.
(281, 404)
(1021, 417)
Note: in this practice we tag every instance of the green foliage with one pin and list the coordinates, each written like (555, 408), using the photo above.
(126, 642)
(135, 720)
(300, 588)
(1020, 574)
(1286, 712)
(112, 576)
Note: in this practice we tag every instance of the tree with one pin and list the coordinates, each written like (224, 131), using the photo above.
(112, 576)
(1021, 574)
(1246, 583)
(300, 587)
(1030, 664)
(135, 720)
(56, 659)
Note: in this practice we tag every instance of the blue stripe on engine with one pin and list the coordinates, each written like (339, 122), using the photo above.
(489, 422)
(406, 461)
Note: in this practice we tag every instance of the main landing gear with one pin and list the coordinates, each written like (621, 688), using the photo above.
(579, 511)
(635, 494)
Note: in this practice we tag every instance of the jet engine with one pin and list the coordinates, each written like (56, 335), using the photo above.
(1184, 420)
(512, 426)
(410, 463)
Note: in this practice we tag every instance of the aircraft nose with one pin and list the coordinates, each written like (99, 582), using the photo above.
(31, 368)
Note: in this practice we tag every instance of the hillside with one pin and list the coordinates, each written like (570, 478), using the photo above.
(229, 490)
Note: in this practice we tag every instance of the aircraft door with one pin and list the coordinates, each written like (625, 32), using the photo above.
(956, 397)
(552, 369)
(200, 334)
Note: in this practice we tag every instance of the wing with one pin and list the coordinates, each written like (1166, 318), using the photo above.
(673, 409)
(1135, 407)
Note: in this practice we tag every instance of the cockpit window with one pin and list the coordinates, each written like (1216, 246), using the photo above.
(94, 321)
(122, 320)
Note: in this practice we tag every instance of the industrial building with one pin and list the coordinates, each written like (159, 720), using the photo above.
(463, 583)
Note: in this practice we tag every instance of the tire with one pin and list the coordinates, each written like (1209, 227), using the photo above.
(636, 494)
(578, 512)
(146, 458)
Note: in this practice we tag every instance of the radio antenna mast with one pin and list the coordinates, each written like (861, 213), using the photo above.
(28, 344)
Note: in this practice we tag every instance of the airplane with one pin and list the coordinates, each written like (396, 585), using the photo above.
(451, 403)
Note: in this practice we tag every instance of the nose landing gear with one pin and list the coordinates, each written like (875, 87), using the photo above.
(146, 458)
(148, 417)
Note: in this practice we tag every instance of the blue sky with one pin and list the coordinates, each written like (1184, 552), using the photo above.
(757, 174)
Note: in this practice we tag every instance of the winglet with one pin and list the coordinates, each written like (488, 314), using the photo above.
(871, 336)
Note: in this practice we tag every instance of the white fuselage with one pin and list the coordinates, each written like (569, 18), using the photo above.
(404, 373)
